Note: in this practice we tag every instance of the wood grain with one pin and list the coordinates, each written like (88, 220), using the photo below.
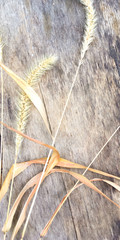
(30, 30)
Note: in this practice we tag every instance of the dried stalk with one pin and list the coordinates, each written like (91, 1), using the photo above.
(87, 39)
(2, 96)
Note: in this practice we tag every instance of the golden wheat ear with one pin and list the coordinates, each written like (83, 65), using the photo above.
(24, 103)
(29, 92)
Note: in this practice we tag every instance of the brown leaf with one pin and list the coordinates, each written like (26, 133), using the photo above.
(85, 181)
(18, 168)
(30, 184)
(23, 214)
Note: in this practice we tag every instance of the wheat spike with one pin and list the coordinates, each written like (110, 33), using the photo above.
(24, 103)
(91, 22)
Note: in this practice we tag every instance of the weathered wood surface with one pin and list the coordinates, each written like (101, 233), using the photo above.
(31, 29)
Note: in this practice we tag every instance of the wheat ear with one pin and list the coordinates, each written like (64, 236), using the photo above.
(24, 105)
(2, 94)
(87, 39)
(91, 21)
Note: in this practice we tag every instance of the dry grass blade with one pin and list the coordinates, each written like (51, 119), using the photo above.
(61, 162)
(77, 185)
(33, 96)
(88, 183)
(23, 214)
(46, 228)
(112, 184)
(68, 164)
(8, 223)
(17, 169)
(20, 167)
(29, 138)
(54, 159)
(30, 184)
(34, 181)
(9, 176)
(52, 162)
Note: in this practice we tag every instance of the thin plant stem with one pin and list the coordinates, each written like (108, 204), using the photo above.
(2, 96)
(1, 147)
(88, 37)
(2, 119)
(11, 187)
(116, 130)
(76, 184)
(101, 150)
(4, 236)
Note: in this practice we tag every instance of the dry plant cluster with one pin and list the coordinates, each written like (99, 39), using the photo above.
(53, 163)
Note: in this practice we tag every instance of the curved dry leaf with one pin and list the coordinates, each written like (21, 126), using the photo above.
(88, 183)
(61, 163)
(23, 214)
(19, 167)
(33, 181)
(33, 96)
(112, 184)
(84, 181)
(52, 162)
(68, 164)
(29, 138)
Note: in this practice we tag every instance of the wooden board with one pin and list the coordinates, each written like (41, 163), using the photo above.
(31, 29)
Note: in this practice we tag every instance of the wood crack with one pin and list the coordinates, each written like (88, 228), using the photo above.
(70, 208)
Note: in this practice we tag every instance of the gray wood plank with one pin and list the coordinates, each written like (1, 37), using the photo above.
(32, 29)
